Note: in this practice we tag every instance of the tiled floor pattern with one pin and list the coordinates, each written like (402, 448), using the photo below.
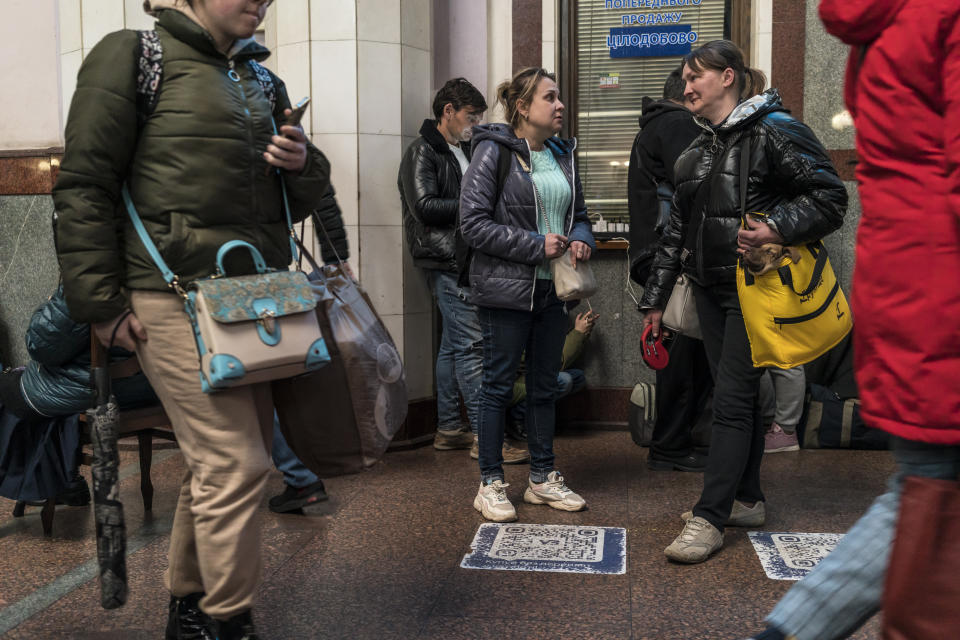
(381, 558)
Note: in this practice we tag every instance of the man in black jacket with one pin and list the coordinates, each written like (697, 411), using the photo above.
(429, 182)
(684, 386)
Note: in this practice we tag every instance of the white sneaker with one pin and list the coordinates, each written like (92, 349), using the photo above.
(493, 503)
(695, 543)
(555, 493)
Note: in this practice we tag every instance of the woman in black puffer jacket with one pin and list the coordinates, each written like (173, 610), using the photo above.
(790, 178)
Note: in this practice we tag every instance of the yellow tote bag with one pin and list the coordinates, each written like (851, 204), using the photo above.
(795, 313)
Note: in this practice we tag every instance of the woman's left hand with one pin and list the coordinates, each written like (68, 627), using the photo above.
(756, 234)
(579, 251)
(289, 150)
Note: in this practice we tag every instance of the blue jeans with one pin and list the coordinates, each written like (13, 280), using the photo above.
(844, 590)
(568, 381)
(508, 335)
(294, 473)
(460, 360)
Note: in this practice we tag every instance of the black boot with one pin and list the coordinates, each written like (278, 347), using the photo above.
(187, 622)
(239, 627)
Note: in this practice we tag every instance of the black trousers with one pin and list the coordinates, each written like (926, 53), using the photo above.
(736, 442)
(683, 389)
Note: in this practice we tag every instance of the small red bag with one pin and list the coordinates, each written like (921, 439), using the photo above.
(654, 353)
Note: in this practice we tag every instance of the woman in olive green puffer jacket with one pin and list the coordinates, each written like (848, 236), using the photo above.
(203, 167)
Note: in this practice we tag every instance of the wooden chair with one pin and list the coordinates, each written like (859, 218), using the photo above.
(146, 423)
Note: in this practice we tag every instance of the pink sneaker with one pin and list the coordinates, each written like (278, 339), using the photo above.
(776, 440)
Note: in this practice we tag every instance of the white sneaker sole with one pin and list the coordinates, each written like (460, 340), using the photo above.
(480, 505)
(790, 447)
(530, 497)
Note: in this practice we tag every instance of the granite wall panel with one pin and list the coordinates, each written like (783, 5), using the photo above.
(28, 269)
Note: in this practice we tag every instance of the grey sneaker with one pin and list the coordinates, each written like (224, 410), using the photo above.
(695, 543)
(555, 493)
(511, 454)
(449, 440)
(492, 502)
(740, 515)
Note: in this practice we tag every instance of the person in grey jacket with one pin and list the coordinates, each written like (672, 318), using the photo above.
(515, 228)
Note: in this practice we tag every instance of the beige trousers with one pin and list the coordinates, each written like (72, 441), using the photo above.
(225, 438)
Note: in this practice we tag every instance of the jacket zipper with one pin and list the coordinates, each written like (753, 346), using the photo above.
(573, 187)
(536, 220)
(698, 245)
(251, 137)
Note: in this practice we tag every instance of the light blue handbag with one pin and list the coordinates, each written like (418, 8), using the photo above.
(248, 329)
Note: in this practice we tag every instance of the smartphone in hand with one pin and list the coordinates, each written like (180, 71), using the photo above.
(297, 112)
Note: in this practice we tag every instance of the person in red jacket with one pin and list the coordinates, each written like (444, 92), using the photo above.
(903, 90)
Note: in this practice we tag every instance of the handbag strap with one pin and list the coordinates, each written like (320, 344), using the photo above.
(744, 177)
(286, 205)
(820, 252)
(168, 275)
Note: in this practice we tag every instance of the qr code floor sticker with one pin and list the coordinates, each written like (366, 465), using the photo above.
(548, 547)
(791, 556)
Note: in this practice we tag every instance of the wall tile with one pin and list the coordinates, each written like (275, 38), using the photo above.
(549, 52)
(99, 19)
(394, 324)
(378, 83)
(763, 10)
(415, 21)
(549, 21)
(71, 34)
(417, 297)
(353, 242)
(293, 65)
(418, 354)
(379, 159)
(69, 68)
(416, 94)
(334, 77)
(293, 21)
(380, 261)
(341, 151)
(333, 19)
(378, 20)
(134, 17)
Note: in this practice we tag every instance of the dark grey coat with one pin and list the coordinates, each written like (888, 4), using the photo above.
(501, 223)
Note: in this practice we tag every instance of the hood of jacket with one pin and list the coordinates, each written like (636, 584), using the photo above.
(503, 134)
(652, 109)
(749, 111)
(177, 17)
(858, 22)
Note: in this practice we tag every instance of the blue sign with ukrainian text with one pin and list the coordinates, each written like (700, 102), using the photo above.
(651, 42)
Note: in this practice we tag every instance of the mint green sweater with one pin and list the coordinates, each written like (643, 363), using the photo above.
(554, 190)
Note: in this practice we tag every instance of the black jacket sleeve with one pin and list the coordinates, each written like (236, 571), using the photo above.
(329, 229)
(419, 179)
(798, 164)
(652, 159)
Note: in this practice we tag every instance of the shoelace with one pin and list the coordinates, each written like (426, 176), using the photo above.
(499, 491)
(692, 528)
(558, 485)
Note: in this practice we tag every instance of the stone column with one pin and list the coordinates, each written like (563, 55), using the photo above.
(370, 68)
